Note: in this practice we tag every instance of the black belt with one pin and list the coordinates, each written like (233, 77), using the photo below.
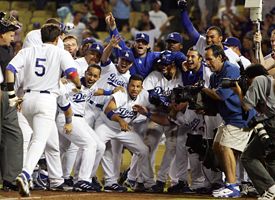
(76, 115)
(42, 91)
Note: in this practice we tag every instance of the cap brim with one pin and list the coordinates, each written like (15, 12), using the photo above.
(140, 39)
(172, 40)
(126, 58)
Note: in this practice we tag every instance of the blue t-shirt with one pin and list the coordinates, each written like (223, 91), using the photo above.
(190, 78)
(230, 106)
(142, 65)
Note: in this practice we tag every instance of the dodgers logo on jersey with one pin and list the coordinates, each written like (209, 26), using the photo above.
(79, 97)
(161, 91)
(114, 81)
(124, 113)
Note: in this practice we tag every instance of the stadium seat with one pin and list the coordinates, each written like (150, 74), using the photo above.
(41, 13)
(4, 6)
(19, 5)
(77, 7)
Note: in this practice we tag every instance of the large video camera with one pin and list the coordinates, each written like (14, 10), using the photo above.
(190, 94)
(258, 124)
(195, 97)
(242, 80)
(203, 147)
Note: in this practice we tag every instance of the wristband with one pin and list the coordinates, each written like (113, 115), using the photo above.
(107, 92)
(148, 114)
(68, 120)
(110, 114)
(10, 86)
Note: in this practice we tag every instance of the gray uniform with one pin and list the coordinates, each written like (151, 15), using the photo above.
(254, 153)
(11, 147)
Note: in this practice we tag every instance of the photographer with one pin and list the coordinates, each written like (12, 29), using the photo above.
(260, 95)
(231, 138)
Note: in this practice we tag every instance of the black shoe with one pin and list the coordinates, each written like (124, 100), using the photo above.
(8, 186)
(84, 186)
(96, 183)
(69, 181)
(247, 189)
(139, 187)
(180, 187)
(158, 187)
(115, 188)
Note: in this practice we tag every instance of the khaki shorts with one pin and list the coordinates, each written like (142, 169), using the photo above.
(232, 137)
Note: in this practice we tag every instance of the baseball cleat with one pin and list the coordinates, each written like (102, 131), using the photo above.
(23, 185)
(115, 188)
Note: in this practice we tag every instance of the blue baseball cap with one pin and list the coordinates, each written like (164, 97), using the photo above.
(233, 42)
(127, 55)
(175, 36)
(88, 40)
(96, 47)
(166, 58)
(142, 36)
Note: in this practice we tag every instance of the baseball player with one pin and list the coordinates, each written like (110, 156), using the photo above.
(115, 123)
(92, 56)
(161, 83)
(44, 65)
(82, 134)
(112, 78)
(71, 45)
(143, 63)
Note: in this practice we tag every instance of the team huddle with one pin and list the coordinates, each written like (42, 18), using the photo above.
(80, 111)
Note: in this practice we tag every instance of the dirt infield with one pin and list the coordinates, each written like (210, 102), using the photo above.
(104, 196)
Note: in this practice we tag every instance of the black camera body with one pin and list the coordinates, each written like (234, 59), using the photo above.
(242, 81)
(197, 99)
(190, 94)
(258, 123)
(203, 147)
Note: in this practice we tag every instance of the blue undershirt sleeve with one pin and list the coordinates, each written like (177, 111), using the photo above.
(190, 29)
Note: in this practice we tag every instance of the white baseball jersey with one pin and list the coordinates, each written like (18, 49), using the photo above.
(124, 105)
(155, 80)
(191, 121)
(110, 78)
(82, 66)
(78, 100)
(33, 38)
(43, 65)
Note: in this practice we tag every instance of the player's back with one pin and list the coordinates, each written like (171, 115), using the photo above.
(42, 66)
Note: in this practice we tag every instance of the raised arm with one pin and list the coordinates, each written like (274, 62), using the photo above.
(187, 24)
(110, 21)
(108, 49)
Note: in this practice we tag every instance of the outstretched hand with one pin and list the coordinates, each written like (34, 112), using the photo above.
(115, 41)
(140, 109)
(110, 21)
